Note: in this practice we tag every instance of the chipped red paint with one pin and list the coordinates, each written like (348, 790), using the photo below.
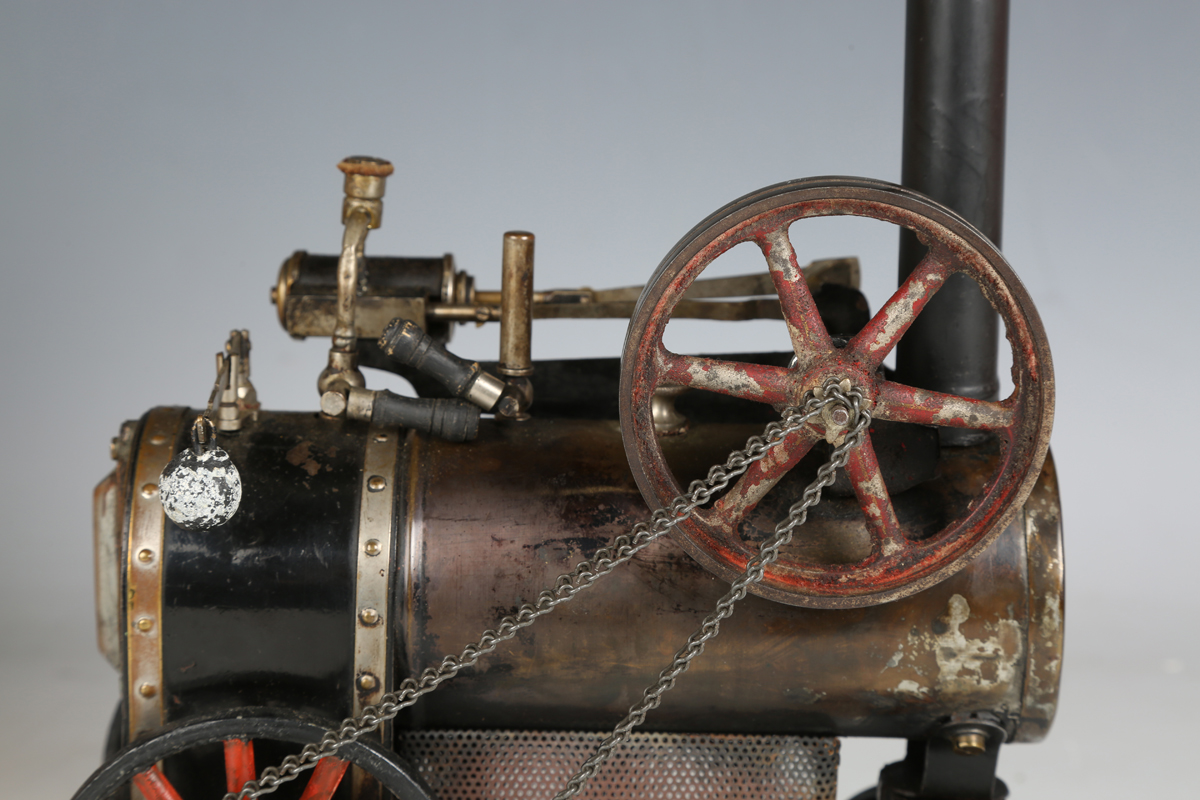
(766, 384)
(808, 334)
(899, 565)
(901, 403)
(881, 334)
(863, 469)
(759, 479)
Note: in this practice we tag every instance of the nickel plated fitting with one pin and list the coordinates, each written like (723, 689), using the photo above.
(362, 210)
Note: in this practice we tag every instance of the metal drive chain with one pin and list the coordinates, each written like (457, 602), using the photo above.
(768, 553)
(568, 585)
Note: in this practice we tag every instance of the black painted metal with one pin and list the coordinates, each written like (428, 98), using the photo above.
(201, 739)
(405, 342)
(244, 603)
(452, 420)
(932, 770)
(382, 276)
(956, 65)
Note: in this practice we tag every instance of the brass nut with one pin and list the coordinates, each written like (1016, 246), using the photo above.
(147, 690)
(369, 616)
(970, 743)
(144, 624)
(145, 555)
(149, 490)
(376, 483)
(367, 682)
(373, 547)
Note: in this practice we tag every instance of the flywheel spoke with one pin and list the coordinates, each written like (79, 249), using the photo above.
(862, 468)
(900, 403)
(879, 336)
(325, 779)
(239, 764)
(154, 785)
(732, 507)
(810, 340)
(758, 382)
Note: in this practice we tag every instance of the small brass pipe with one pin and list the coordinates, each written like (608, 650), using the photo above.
(516, 306)
(463, 313)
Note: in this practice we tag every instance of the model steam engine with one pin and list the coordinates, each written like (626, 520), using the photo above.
(891, 536)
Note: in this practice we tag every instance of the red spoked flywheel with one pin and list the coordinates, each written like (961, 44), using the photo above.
(899, 563)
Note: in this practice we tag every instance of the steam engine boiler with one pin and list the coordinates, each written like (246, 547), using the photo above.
(733, 558)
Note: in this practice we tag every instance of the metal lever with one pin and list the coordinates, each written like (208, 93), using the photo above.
(405, 342)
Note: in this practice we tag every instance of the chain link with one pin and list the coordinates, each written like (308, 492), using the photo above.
(768, 553)
(604, 561)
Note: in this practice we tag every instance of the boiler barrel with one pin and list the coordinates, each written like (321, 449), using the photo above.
(490, 524)
(265, 609)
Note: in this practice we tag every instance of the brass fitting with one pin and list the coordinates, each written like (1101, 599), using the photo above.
(362, 210)
(366, 182)
(516, 326)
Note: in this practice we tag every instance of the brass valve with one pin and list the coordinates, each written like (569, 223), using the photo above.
(362, 210)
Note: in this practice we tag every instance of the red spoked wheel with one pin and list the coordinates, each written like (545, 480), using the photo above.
(899, 563)
(138, 764)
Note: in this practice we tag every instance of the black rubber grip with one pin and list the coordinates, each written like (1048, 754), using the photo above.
(405, 342)
(452, 420)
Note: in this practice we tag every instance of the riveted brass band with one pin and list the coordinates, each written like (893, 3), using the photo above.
(375, 546)
(144, 572)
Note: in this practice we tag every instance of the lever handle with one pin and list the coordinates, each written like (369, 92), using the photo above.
(405, 342)
(452, 420)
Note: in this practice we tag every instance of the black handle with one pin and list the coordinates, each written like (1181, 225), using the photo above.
(452, 420)
(405, 342)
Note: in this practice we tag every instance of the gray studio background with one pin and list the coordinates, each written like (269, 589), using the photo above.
(158, 161)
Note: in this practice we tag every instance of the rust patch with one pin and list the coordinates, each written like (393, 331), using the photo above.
(301, 456)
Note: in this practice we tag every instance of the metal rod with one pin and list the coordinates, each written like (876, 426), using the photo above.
(956, 64)
(353, 241)
(516, 306)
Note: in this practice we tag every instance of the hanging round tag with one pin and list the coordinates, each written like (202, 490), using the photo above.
(201, 487)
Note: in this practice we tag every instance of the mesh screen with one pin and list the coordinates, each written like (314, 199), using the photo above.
(515, 765)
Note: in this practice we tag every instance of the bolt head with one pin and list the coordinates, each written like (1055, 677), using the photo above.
(376, 483)
(333, 404)
(367, 682)
(840, 415)
(509, 406)
(373, 547)
(145, 555)
(144, 624)
(369, 616)
(147, 690)
(149, 490)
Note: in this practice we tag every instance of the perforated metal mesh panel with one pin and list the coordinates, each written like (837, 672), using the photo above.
(515, 765)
